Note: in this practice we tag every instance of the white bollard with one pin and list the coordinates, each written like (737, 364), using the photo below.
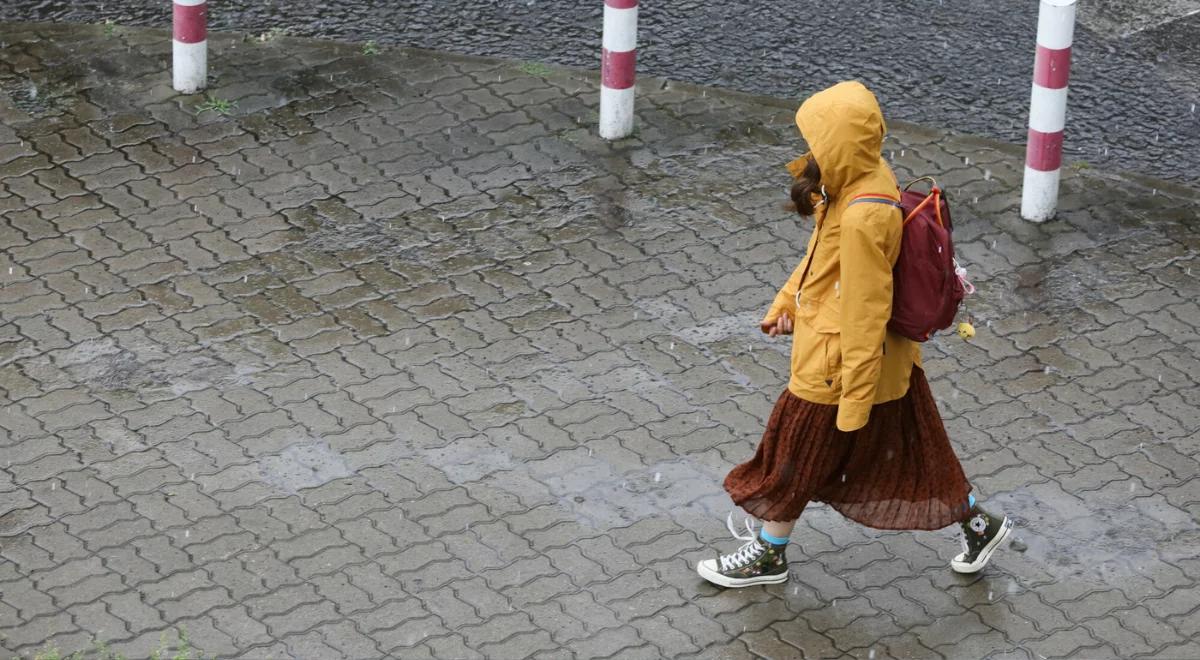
(189, 56)
(618, 64)
(1048, 109)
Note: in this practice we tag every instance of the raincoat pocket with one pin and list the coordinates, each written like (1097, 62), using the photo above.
(817, 361)
(833, 360)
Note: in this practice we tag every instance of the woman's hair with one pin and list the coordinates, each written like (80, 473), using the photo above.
(807, 185)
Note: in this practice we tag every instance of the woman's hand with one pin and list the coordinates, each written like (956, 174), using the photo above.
(782, 325)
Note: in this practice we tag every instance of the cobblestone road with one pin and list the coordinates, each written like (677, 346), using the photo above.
(398, 358)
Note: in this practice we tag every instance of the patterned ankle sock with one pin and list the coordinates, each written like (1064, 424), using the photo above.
(773, 540)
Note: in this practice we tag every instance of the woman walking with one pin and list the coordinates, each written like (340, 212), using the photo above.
(857, 427)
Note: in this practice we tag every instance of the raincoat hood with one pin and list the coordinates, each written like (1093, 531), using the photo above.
(844, 129)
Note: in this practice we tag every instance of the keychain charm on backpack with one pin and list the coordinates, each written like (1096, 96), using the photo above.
(965, 329)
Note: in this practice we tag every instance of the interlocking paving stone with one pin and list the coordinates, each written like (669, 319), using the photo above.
(399, 358)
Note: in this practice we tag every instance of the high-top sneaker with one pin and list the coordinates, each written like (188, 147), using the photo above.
(756, 562)
(983, 534)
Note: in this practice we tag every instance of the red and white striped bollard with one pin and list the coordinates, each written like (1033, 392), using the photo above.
(189, 55)
(618, 64)
(1048, 109)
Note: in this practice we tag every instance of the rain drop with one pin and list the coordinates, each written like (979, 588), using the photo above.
(966, 160)
(187, 534)
(902, 153)
(1132, 487)
(843, 478)
(657, 477)
(53, 485)
(993, 245)
(1193, 108)
(871, 654)
(976, 201)
(989, 595)
(987, 175)
(672, 346)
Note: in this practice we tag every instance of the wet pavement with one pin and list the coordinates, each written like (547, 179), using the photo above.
(399, 358)
(962, 65)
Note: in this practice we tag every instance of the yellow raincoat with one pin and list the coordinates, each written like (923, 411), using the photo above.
(842, 352)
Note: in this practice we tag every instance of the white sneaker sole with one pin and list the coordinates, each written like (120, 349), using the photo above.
(707, 570)
(959, 566)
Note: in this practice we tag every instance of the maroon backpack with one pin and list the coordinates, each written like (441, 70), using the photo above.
(926, 287)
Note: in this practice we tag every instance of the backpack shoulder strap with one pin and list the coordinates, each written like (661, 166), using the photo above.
(873, 198)
(867, 197)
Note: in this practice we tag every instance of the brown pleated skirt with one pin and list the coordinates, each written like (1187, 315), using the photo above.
(897, 472)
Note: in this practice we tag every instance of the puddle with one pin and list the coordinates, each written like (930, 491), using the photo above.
(1092, 276)
(334, 227)
(464, 461)
(40, 99)
(737, 326)
(304, 465)
(103, 365)
(1099, 542)
(597, 492)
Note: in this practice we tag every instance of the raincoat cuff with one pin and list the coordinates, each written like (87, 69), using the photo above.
(853, 415)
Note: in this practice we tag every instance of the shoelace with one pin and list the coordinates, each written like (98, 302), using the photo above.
(748, 552)
(962, 530)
